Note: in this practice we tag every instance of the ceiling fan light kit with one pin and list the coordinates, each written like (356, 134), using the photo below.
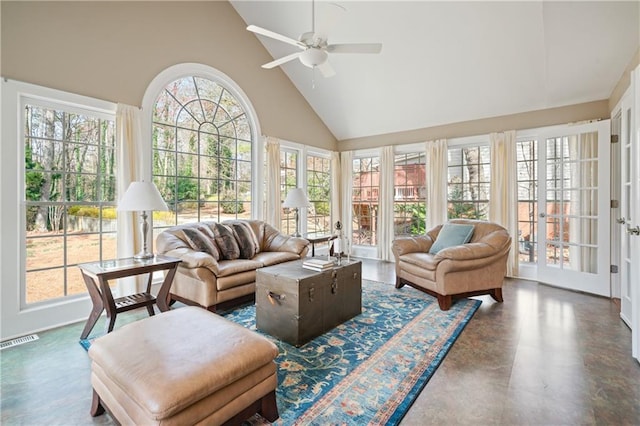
(313, 56)
(315, 49)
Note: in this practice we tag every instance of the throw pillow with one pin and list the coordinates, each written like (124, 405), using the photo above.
(246, 239)
(201, 241)
(226, 242)
(452, 234)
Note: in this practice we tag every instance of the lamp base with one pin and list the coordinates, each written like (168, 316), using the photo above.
(144, 255)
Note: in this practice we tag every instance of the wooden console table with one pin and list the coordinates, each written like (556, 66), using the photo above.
(96, 276)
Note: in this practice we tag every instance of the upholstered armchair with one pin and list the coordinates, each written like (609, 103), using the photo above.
(448, 269)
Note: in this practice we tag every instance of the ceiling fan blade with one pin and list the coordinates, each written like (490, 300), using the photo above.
(355, 48)
(276, 36)
(282, 60)
(326, 69)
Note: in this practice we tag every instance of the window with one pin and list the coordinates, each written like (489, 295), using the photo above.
(409, 204)
(366, 184)
(527, 169)
(69, 195)
(202, 153)
(288, 181)
(319, 190)
(468, 182)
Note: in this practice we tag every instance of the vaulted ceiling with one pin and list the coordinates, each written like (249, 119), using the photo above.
(452, 61)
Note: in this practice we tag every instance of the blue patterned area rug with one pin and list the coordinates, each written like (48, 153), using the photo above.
(368, 370)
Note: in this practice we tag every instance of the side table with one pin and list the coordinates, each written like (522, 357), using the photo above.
(96, 277)
(314, 238)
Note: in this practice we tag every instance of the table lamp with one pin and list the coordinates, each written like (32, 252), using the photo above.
(296, 199)
(142, 197)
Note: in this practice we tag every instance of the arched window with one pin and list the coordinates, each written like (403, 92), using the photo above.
(202, 143)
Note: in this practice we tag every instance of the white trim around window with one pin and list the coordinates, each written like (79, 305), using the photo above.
(16, 320)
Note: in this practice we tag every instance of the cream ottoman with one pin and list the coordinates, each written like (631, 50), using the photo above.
(186, 366)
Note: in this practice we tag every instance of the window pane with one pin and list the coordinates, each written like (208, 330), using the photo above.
(409, 204)
(70, 168)
(196, 151)
(366, 184)
(319, 192)
(468, 182)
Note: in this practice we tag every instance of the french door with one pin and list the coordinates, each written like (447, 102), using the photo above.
(573, 207)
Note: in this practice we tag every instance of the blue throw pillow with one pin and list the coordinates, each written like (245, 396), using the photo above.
(451, 235)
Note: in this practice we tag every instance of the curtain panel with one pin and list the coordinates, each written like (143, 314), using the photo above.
(129, 169)
(335, 200)
(503, 191)
(436, 183)
(385, 222)
(273, 205)
(346, 196)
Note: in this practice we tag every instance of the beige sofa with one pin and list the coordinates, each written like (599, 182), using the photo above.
(477, 267)
(219, 260)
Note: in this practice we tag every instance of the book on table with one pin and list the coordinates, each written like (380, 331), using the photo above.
(317, 264)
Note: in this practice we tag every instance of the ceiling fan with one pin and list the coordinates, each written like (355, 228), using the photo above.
(314, 47)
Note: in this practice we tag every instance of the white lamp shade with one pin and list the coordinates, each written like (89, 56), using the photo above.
(296, 198)
(142, 196)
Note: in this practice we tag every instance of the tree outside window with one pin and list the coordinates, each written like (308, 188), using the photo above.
(202, 146)
(409, 204)
(70, 196)
(468, 182)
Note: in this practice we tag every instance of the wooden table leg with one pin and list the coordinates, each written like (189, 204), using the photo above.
(163, 294)
(98, 306)
(109, 304)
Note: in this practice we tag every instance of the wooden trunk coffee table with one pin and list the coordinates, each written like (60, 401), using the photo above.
(295, 304)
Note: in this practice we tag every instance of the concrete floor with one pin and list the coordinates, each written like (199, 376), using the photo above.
(545, 356)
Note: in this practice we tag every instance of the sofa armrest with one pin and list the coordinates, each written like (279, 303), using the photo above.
(192, 259)
(417, 244)
(274, 240)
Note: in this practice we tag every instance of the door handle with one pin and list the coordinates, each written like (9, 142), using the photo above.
(543, 215)
(633, 231)
(621, 221)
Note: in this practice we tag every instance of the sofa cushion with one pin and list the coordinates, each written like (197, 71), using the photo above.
(199, 239)
(226, 242)
(451, 235)
(247, 241)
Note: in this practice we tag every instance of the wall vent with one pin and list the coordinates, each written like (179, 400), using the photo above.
(18, 341)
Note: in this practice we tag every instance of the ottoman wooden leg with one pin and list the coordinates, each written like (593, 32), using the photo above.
(269, 407)
(96, 406)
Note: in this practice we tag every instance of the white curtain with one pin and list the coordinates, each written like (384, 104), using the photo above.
(503, 191)
(335, 190)
(385, 220)
(436, 182)
(129, 169)
(273, 204)
(346, 195)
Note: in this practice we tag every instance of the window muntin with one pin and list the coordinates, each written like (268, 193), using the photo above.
(288, 181)
(319, 190)
(366, 187)
(527, 170)
(468, 182)
(70, 197)
(409, 202)
(202, 153)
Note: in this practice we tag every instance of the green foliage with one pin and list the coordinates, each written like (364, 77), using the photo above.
(90, 211)
(461, 210)
(418, 212)
(321, 208)
(229, 204)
